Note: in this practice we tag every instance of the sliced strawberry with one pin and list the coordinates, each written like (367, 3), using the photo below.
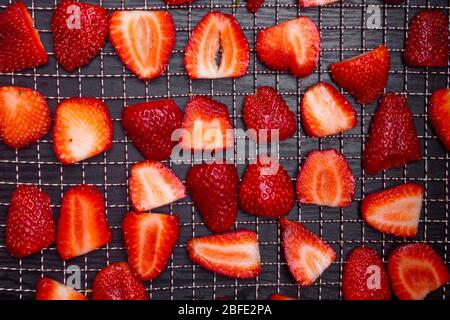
(267, 110)
(325, 111)
(118, 282)
(150, 126)
(314, 3)
(48, 289)
(207, 125)
(29, 226)
(415, 270)
(392, 139)
(326, 179)
(233, 254)
(143, 40)
(364, 276)
(280, 297)
(149, 239)
(24, 116)
(254, 5)
(153, 185)
(364, 76)
(292, 46)
(439, 115)
(266, 189)
(82, 225)
(20, 45)
(79, 33)
(214, 190)
(306, 254)
(83, 129)
(394, 210)
(217, 31)
(427, 40)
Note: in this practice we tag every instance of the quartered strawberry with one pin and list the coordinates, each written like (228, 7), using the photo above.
(439, 115)
(118, 282)
(48, 289)
(291, 46)
(82, 224)
(153, 185)
(306, 254)
(143, 40)
(24, 116)
(392, 138)
(83, 129)
(314, 3)
(150, 126)
(214, 190)
(326, 179)
(364, 76)
(29, 225)
(217, 31)
(233, 254)
(79, 33)
(415, 270)
(266, 189)
(149, 239)
(254, 5)
(20, 45)
(280, 297)
(267, 110)
(325, 111)
(427, 40)
(207, 125)
(394, 210)
(364, 276)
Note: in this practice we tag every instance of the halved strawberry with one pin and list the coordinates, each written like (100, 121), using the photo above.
(292, 46)
(427, 43)
(29, 225)
(24, 116)
(280, 297)
(325, 111)
(306, 254)
(143, 40)
(48, 289)
(415, 270)
(394, 210)
(207, 125)
(267, 110)
(20, 45)
(82, 225)
(363, 76)
(149, 239)
(118, 282)
(217, 31)
(233, 254)
(364, 276)
(439, 115)
(314, 3)
(392, 138)
(326, 179)
(83, 129)
(254, 5)
(153, 185)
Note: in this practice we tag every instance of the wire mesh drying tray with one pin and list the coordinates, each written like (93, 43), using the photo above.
(344, 33)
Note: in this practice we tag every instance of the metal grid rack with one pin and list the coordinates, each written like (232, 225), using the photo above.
(344, 33)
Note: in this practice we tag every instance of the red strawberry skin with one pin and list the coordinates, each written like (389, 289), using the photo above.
(280, 297)
(30, 226)
(48, 289)
(266, 109)
(314, 3)
(427, 40)
(20, 45)
(24, 116)
(214, 190)
(118, 282)
(392, 138)
(79, 33)
(254, 5)
(266, 194)
(177, 2)
(364, 276)
(150, 126)
(363, 76)
(439, 115)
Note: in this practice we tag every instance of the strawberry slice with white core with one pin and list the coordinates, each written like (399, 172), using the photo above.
(48, 289)
(217, 31)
